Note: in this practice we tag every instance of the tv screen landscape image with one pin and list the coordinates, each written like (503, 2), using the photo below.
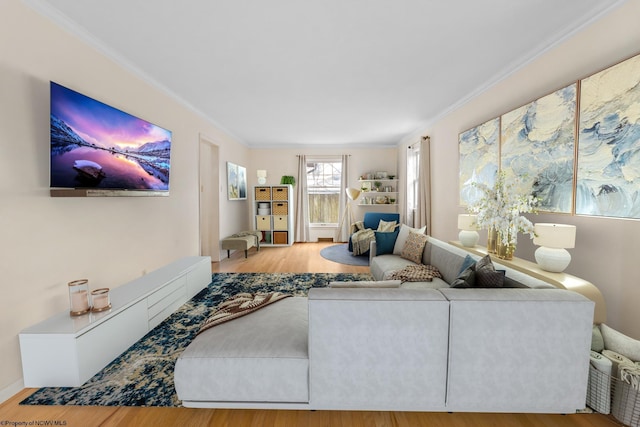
(94, 145)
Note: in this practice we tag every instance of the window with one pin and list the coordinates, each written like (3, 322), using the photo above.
(323, 190)
(413, 165)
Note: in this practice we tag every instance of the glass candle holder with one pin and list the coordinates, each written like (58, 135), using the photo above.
(79, 297)
(100, 299)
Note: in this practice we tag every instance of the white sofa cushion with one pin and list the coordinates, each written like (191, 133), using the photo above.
(377, 349)
(518, 350)
(261, 357)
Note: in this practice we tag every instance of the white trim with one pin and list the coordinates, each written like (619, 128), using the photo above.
(511, 69)
(11, 390)
(45, 9)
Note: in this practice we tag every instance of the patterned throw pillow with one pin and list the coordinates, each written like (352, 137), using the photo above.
(482, 274)
(413, 247)
(416, 273)
(386, 226)
(489, 279)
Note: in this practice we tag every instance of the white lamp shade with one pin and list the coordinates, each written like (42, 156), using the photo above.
(467, 222)
(262, 173)
(558, 236)
(352, 193)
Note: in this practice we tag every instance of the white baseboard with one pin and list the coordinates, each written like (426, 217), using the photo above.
(11, 390)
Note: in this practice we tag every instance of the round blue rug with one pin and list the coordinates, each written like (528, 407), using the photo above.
(340, 253)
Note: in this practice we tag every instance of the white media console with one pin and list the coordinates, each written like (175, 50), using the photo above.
(66, 351)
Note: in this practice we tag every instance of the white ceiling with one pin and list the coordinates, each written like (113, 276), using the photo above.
(323, 72)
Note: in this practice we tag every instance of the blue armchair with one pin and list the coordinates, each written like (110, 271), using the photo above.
(372, 219)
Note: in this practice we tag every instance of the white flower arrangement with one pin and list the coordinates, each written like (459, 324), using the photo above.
(500, 208)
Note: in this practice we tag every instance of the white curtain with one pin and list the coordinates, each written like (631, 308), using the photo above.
(302, 202)
(423, 208)
(344, 224)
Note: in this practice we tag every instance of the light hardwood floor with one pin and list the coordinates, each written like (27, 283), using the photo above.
(302, 257)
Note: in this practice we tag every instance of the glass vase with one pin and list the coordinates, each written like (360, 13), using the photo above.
(492, 241)
(505, 251)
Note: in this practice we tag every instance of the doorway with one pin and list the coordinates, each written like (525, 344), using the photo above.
(209, 181)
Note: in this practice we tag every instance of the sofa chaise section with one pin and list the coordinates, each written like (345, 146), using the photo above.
(378, 349)
(260, 359)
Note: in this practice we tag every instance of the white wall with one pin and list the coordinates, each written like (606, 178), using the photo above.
(606, 249)
(47, 242)
(284, 161)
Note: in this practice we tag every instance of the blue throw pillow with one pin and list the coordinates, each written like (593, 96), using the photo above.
(468, 262)
(385, 241)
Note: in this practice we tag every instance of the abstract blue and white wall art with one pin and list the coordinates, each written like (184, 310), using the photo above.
(479, 156)
(538, 146)
(609, 142)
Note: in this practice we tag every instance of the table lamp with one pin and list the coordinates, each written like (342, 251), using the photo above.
(262, 176)
(468, 226)
(554, 239)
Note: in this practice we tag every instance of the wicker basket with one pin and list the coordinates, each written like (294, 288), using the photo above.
(607, 394)
(280, 208)
(280, 193)
(263, 193)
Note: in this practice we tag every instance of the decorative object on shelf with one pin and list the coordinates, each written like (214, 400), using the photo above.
(500, 208)
(79, 297)
(468, 226)
(554, 240)
(392, 200)
(381, 175)
(262, 176)
(236, 182)
(391, 176)
(377, 184)
(365, 186)
(100, 299)
(288, 179)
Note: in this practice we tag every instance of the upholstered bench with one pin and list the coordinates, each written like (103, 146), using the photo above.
(241, 242)
(259, 358)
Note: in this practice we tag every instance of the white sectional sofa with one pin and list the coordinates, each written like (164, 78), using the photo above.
(425, 349)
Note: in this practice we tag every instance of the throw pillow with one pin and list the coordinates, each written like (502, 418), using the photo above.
(597, 342)
(478, 275)
(413, 247)
(466, 279)
(386, 225)
(416, 273)
(402, 237)
(385, 242)
(489, 279)
(468, 262)
(620, 343)
(485, 263)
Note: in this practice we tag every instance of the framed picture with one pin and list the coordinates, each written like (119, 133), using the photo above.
(538, 146)
(479, 152)
(236, 182)
(609, 142)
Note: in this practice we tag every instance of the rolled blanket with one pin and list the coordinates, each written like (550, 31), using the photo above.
(601, 363)
(617, 361)
(620, 343)
(599, 391)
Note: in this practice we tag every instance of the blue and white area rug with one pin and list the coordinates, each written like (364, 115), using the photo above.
(143, 375)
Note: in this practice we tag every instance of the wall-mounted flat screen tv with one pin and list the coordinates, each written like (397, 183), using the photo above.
(96, 146)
